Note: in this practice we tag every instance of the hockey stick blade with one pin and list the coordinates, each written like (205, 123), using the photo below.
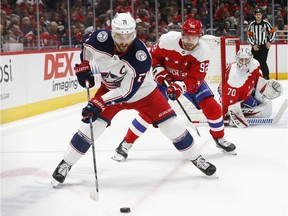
(280, 112)
(94, 195)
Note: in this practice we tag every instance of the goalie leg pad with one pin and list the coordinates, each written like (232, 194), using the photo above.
(261, 111)
(174, 130)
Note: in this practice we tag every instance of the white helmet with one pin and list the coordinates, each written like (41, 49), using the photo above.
(243, 58)
(123, 23)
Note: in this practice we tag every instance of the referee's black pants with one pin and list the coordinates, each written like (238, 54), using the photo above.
(261, 56)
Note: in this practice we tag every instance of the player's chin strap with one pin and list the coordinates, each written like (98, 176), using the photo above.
(95, 193)
(186, 114)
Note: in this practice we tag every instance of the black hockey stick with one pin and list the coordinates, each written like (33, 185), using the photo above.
(94, 194)
(183, 109)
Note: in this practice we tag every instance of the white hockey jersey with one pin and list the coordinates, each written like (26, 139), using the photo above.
(122, 74)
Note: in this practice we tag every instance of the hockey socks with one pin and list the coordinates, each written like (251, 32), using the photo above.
(185, 145)
(77, 148)
(138, 126)
(79, 145)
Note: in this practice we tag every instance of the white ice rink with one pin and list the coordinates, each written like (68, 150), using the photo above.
(155, 180)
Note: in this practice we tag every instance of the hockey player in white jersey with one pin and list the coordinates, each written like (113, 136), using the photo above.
(124, 64)
(181, 59)
(245, 92)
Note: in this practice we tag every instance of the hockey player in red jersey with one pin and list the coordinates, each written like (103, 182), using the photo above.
(126, 83)
(181, 59)
(245, 92)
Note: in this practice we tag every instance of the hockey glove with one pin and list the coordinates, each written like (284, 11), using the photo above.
(160, 76)
(174, 91)
(93, 110)
(84, 73)
(273, 89)
(236, 117)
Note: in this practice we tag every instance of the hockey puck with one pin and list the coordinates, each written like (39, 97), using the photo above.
(125, 210)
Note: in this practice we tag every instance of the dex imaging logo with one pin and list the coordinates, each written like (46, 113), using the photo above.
(58, 66)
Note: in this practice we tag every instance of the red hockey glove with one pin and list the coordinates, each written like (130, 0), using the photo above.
(93, 110)
(84, 73)
(160, 76)
(174, 91)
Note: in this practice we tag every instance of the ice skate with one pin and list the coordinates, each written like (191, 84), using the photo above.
(203, 165)
(60, 173)
(121, 152)
(225, 145)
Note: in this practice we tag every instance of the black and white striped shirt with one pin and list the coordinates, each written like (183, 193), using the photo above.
(260, 34)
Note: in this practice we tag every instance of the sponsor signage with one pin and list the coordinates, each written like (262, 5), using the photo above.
(29, 78)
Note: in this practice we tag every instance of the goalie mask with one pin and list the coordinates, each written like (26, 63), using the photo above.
(243, 59)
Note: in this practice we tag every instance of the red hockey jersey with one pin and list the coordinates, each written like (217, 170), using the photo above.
(238, 85)
(182, 65)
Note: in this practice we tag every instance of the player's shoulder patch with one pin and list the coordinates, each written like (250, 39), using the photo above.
(141, 55)
(102, 36)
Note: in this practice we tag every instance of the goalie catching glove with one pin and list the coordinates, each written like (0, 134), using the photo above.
(273, 89)
(84, 73)
(92, 110)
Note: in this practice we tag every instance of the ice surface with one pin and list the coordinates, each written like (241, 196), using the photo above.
(155, 180)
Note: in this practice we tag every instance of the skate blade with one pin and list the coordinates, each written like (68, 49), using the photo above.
(55, 184)
(212, 177)
(230, 153)
(118, 157)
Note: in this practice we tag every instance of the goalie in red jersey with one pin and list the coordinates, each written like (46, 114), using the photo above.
(245, 92)
(181, 59)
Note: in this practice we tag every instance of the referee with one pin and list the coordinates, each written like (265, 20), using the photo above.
(260, 35)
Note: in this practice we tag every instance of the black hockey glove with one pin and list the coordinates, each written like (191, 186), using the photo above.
(93, 110)
(84, 73)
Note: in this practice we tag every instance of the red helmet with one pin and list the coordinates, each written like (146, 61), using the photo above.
(192, 27)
